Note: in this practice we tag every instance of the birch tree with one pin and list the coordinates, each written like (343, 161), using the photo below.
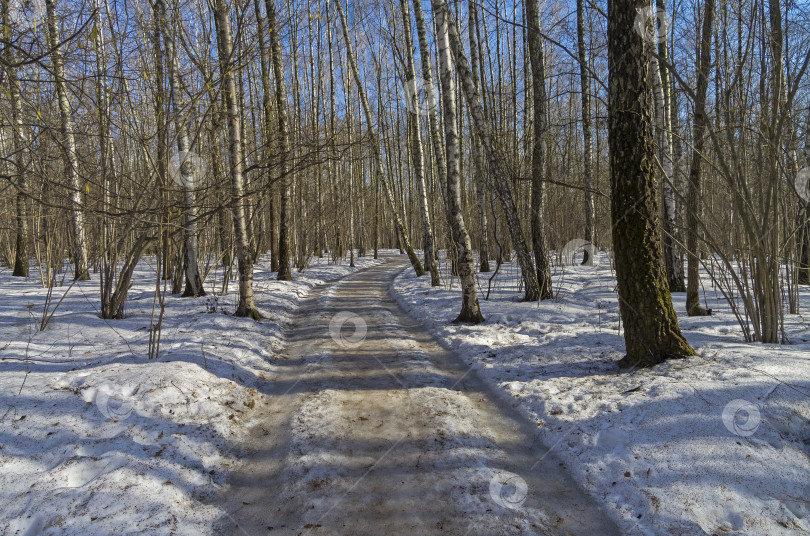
(476, 149)
(538, 151)
(694, 201)
(245, 305)
(496, 167)
(470, 310)
(415, 137)
(587, 141)
(17, 148)
(663, 119)
(68, 141)
(188, 169)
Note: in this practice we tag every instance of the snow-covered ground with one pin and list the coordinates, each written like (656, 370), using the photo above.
(715, 444)
(97, 439)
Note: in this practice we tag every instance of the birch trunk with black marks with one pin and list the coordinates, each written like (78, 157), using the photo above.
(416, 148)
(267, 115)
(17, 146)
(245, 305)
(587, 142)
(68, 143)
(497, 168)
(663, 119)
(479, 178)
(538, 151)
(804, 216)
(430, 95)
(672, 263)
(470, 310)
(190, 174)
(285, 213)
(652, 334)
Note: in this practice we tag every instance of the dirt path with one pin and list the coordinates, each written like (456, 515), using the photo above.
(380, 430)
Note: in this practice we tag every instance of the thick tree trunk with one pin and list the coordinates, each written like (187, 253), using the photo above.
(587, 143)
(416, 148)
(18, 160)
(245, 305)
(651, 326)
(470, 310)
(538, 151)
(68, 144)
(694, 203)
(188, 171)
(375, 145)
(496, 166)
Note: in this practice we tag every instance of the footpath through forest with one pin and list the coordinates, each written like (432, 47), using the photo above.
(373, 428)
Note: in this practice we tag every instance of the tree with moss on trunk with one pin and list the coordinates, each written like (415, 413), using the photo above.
(651, 334)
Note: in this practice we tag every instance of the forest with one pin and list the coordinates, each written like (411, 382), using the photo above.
(223, 217)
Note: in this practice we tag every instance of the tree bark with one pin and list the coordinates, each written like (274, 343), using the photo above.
(284, 270)
(651, 326)
(18, 160)
(663, 116)
(672, 264)
(189, 173)
(245, 305)
(804, 218)
(476, 150)
(430, 95)
(587, 143)
(68, 141)
(538, 150)
(496, 166)
(470, 310)
(267, 146)
(416, 148)
(694, 202)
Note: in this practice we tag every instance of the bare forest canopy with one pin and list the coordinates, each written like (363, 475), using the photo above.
(673, 136)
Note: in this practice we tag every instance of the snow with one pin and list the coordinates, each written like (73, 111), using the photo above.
(97, 439)
(715, 444)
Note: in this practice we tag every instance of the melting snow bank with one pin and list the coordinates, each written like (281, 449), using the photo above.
(97, 439)
(716, 444)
